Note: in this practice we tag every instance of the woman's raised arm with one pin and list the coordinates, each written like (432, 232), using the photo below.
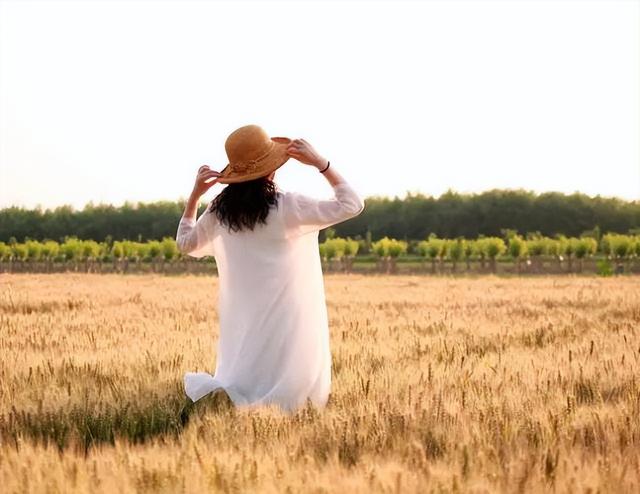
(303, 213)
(194, 238)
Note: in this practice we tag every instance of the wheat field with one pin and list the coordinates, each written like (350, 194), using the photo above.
(481, 384)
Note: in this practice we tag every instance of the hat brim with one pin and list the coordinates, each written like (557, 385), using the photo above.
(274, 160)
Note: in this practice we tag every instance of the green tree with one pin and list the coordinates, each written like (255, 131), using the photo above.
(455, 251)
(388, 250)
(351, 247)
(492, 248)
(584, 247)
(469, 252)
(169, 249)
(517, 249)
(71, 250)
(433, 248)
(566, 250)
(5, 252)
(619, 247)
(537, 247)
(34, 250)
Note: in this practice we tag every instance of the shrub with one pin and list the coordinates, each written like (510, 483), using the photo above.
(351, 247)
(71, 248)
(584, 246)
(50, 249)
(5, 252)
(34, 250)
(538, 246)
(517, 247)
(169, 248)
(617, 246)
(154, 249)
(455, 250)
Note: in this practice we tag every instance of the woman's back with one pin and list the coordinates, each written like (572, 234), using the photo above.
(274, 342)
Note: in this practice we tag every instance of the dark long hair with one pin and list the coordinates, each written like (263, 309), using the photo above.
(243, 204)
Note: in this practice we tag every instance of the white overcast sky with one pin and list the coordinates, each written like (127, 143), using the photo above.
(113, 101)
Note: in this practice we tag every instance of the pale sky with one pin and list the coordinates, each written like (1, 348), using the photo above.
(113, 101)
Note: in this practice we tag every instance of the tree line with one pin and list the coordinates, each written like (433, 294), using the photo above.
(416, 216)
(385, 252)
(531, 250)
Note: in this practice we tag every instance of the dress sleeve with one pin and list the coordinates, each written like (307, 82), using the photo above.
(304, 214)
(195, 238)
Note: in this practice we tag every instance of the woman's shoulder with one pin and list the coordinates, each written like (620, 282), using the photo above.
(294, 196)
(288, 196)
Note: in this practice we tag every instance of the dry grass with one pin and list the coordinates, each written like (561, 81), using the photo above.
(439, 385)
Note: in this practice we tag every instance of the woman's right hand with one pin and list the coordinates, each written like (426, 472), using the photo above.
(304, 152)
(202, 184)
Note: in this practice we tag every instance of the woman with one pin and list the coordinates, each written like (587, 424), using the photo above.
(274, 338)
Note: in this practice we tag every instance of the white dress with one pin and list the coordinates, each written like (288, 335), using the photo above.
(274, 336)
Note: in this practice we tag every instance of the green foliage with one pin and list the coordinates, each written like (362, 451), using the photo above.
(127, 249)
(5, 252)
(117, 250)
(449, 216)
(517, 246)
(538, 246)
(491, 213)
(89, 249)
(508, 234)
(50, 249)
(594, 233)
(615, 245)
(553, 246)
(339, 245)
(469, 248)
(389, 247)
(34, 250)
(618, 246)
(491, 247)
(19, 252)
(456, 249)
(433, 247)
(351, 247)
(604, 267)
(565, 246)
(323, 250)
(381, 247)
(74, 249)
(70, 248)
(584, 246)
(422, 248)
(397, 248)
(143, 251)
(335, 248)
(169, 248)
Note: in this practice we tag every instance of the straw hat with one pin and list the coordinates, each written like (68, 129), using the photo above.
(252, 154)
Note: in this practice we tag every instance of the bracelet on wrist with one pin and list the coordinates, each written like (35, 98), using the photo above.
(325, 168)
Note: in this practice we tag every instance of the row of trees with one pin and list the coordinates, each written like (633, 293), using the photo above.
(449, 216)
(90, 252)
(485, 250)
(488, 249)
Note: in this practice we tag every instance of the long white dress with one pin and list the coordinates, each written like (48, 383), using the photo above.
(273, 346)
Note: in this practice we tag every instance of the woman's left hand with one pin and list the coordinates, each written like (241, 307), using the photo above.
(203, 180)
(304, 152)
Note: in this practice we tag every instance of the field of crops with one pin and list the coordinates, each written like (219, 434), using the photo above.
(440, 384)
